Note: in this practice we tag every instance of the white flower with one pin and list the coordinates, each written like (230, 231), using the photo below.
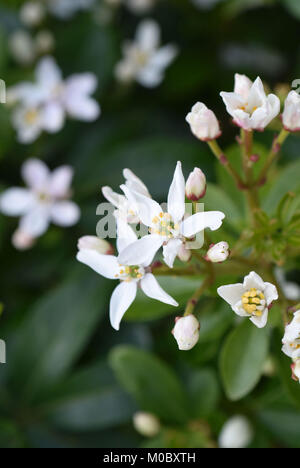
(291, 112)
(43, 105)
(186, 332)
(32, 13)
(22, 47)
(65, 9)
(144, 61)
(291, 290)
(296, 370)
(291, 339)
(195, 187)
(168, 229)
(249, 106)
(125, 208)
(130, 276)
(250, 299)
(44, 200)
(147, 424)
(95, 243)
(203, 122)
(140, 6)
(218, 253)
(236, 433)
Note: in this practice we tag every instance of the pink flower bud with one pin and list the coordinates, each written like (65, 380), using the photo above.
(218, 253)
(203, 122)
(21, 240)
(195, 187)
(186, 332)
(94, 243)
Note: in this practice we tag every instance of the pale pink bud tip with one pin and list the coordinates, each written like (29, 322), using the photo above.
(254, 157)
(94, 243)
(195, 187)
(22, 241)
(186, 332)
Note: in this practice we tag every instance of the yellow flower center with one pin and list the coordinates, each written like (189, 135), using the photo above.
(129, 273)
(164, 225)
(31, 116)
(254, 302)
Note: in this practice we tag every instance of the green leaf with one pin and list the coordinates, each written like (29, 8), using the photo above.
(53, 335)
(204, 392)
(283, 424)
(151, 382)
(181, 288)
(293, 6)
(89, 400)
(242, 359)
(217, 199)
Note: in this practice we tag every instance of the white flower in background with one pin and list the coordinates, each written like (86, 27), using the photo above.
(65, 9)
(168, 229)
(203, 122)
(95, 243)
(237, 432)
(296, 370)
(195, 187)
(124, 208)
(186, 332)
(291, 112)
(22, 47)
(147, 424)
(140, 6)
(291, 290)
(144, 60)
(32, 13)
(291, 339)
(44, 105)
(44, 201)
(218, 253)
(130, 276)
(251, 299)
(249, 106)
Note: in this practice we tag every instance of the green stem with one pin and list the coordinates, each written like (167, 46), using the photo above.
(193, 301)
(278, 142)
(215, 148)
(251, 194)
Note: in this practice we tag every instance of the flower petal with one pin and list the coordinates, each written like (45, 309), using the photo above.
(35, 174)
(114, 198)
(104, 265)
(65, 213)
(121, 299)
(16, 201)
(239, 310)
(253, 280)
(35, 222)
(148, 35)
(60, 181)
(146, 207)
(170, 251)
(142, 251)
(231, 293)
(260, 322)
(176, 196)
(48, 73)
(270, 293)
(126, 235)
(152, 289)
(134, 183)
(53, 117)
(199, 221)
(163, 56)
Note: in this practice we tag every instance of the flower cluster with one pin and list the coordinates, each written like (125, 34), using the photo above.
(44, 104)
(291, 344)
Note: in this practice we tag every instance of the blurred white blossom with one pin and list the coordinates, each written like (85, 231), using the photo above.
(144, 60)
(65, 9)
(140, 6)
(22, 47)
(32, 13)
(44, 104)
(44, 200)
(147, 424)
(237, 432)
(291, 290)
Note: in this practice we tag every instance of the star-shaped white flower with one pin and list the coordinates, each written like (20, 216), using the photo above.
(130, 276)
(45, 200)
(124, 208)
(251, 298)
(249, 106)
(168, 229)
(65, 9)
(291, 339)
(144, 60)
(44, 104)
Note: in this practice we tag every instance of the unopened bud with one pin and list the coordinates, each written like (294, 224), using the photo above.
(21, 240)
(184, 254)
(254, 157)
(218, 253)
(203, 122)
(94, 243)
(186, 332)
(32, 13)
(295, 367)
(195, 187)
(236, 433)
(22, 47)
(147, 424)
(291, 112)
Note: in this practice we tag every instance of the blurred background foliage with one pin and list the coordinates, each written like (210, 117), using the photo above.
(70, 379)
